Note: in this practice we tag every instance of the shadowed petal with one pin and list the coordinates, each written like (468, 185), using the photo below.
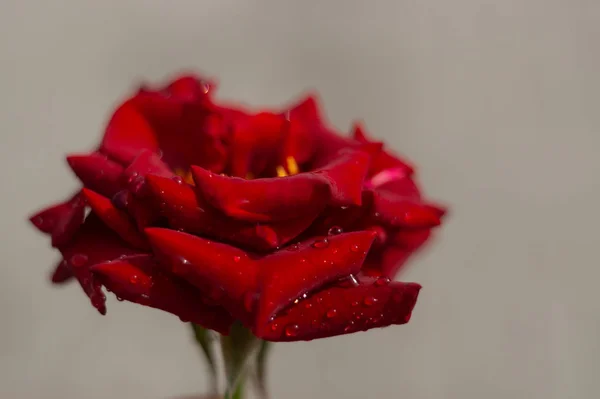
(144, 164)
(286, 275)
(277, 199)
(128, 132)
(382, 159)
(116, 219)
(138, 279)
(187, 211)
(394, 210)
(61, 273)
(344, 310)
(97, 172)
(61, 221)
(93, 243)
(222, 272)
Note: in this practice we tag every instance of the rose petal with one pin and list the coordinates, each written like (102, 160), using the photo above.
(279, 199)
(138, 279)
(343, 310)
(61, 273)
(383, 159)
(128, 132)
(288, 274)
(93, 243)
(144, 164)
(222, 272)
(62, 220)
(189, 212)
(397, 211)
(97, 172)
(116, 219)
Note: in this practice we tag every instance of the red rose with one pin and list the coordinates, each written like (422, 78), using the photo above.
(218, 214)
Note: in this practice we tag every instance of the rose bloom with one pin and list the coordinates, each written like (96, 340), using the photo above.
(217, 214)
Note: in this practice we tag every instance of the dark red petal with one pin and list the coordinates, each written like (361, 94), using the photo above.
(62, 220)
(390, 258)
(128, 132)
(398, 211)
(93, 243)
(344, 310)
(222, 272)
(381, 160)
(61, 273)
(138, 279)
(253, 143)
(97, 172)
(288, 274)
(144, 164)
(185, 210)
(116, 219)
(284, 198)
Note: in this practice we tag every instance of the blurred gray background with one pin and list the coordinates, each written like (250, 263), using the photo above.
(495, 101)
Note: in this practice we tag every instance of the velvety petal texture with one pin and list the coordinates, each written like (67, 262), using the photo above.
(219, 214)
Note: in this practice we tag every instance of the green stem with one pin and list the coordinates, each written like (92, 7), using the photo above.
(238, 347)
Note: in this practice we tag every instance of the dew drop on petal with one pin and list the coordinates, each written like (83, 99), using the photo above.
(381, 281)
(79, 260)
(349, 327)
(331, 313)
(354, 304)
(308, 305)
(119, 299)
(293, 247)
(237, 258)
(134, 279)
(320, 243)
(274, 326)
(354, 248)
(369, 301)
(335, 230)
(178, 179)
(291, 330)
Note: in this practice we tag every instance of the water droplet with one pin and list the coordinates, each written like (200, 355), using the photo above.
(354, 304)
(344, 207)
(349, 327)
(293, 247)
(121, 200)
(335, 230)
(369, 301)
(320, 243)
(308, 305)
(237, 258)
(119, 299)
(354, 248)
(178, 179)
(79, 260)
(249, 301)
(132, 177)
(134, 279)
(331, 313)
(292, 330)
(381, 281)
(274, 326)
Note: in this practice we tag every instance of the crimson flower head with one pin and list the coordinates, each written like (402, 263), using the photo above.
(218, 214)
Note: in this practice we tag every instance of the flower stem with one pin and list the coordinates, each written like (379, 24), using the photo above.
(238, 348)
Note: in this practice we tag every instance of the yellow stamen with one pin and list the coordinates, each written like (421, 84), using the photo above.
(292, 166)
(281, 171)
(186, 175)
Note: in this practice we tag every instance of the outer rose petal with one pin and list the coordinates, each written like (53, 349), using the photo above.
(222, 272)
(185, 210)
(284, 198)
(288, 274)
(94, 243)
(383, 159)
(138, 279)
(144, 164)
(116, 219)
(62, 220)
(97, 172)
(343, 310)
(61, 273)
(394, 210)
(128, 132)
